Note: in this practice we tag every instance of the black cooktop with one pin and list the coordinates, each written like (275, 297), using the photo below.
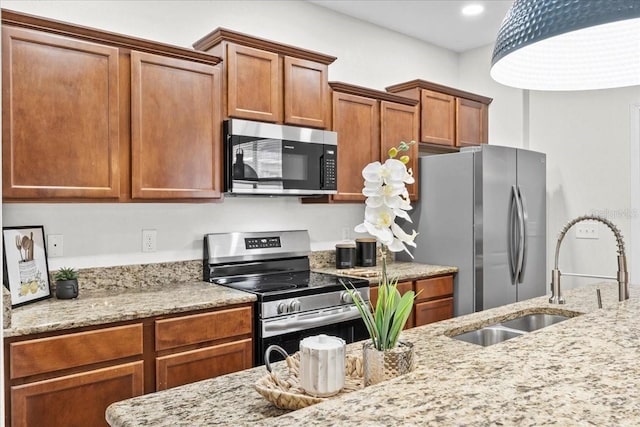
(288, 285)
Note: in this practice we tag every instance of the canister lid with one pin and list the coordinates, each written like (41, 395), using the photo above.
(366, 239)
(322, 342)
(345, 245)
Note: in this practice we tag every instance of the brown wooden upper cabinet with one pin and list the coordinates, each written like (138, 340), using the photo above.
(93, 115)
(368, 123)
(448, 117)
(269, 81)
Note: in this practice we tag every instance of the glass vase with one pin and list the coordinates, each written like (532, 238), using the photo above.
(383, 365)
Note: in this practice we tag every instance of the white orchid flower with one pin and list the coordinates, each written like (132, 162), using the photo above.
(387, 198)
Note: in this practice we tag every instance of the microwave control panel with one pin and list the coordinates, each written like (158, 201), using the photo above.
(330, 168)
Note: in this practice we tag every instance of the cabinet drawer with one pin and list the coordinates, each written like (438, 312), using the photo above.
(75, 400)
(433, 311)
(73, 350)
(181, 331)
(196, 365)
(434, 287)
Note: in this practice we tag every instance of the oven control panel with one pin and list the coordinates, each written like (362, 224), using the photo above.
(262, 242)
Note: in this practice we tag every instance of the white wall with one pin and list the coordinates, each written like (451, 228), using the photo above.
(586, 136)
(110, 234)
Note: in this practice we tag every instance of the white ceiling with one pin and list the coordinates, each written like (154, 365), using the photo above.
(439, 22)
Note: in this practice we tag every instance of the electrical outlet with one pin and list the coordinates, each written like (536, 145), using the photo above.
(55, 245)
(149, 240)
(587, 231)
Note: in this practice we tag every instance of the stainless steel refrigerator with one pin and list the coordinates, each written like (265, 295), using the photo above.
(484, 210)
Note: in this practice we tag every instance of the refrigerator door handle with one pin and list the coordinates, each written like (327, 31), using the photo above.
(512, 237)
(523, 239)
(521, 236)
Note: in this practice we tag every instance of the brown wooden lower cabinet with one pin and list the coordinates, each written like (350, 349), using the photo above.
(65, 401)
(69, 379)
(196, 365)
(433, 311)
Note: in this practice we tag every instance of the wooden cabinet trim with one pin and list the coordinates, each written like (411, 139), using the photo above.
(423, 84)
(23, 396)
(198, 328)
(50, 354)
(195, 365)
(371, 93)
(94, 35)
(147, 149)
(220, 35)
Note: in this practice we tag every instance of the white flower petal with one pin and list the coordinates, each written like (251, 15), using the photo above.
(360, 228)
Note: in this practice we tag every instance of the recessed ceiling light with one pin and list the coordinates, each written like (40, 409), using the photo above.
(472, 9)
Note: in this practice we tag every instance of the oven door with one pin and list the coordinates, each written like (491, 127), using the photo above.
(350, 330)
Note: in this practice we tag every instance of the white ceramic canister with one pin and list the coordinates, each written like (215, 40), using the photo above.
(322, 360)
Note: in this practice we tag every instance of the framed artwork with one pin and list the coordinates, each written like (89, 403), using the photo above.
(26, 271)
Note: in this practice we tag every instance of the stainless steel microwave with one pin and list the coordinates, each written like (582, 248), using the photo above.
(270, 159)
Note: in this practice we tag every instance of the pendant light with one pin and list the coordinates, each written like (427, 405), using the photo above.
(569, 45)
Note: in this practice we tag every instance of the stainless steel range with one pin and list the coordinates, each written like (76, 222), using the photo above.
(293, 302)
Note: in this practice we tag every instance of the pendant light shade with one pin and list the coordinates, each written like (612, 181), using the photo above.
(569, 45)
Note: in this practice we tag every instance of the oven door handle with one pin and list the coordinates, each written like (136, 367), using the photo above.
(316, 319)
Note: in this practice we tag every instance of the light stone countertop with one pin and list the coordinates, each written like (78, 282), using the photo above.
(136, 292)
(395, 270)
(583, 371)
(97, 307)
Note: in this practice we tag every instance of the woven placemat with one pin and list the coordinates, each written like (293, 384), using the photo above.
(287, 393)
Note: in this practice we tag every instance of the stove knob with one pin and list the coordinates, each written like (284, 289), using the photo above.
(294, 305)
(346, 298)
(282, 308)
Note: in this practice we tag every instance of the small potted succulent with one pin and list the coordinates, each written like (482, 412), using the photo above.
(66, 283)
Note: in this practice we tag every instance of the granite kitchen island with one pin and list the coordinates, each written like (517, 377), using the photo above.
(583, 371)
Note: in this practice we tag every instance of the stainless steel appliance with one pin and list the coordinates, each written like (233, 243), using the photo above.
(293, 302)
(484, 210)
(270, 159)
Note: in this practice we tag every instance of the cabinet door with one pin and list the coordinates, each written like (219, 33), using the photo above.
(433, 311)
(59, 117)
(75, 400)
(254, 84)
(438, 118)
(472, 120)
(402, 288)
(398, 123)
(306, 92)
(435, 287)
(355, 119)
(175, 128)
(190, 366)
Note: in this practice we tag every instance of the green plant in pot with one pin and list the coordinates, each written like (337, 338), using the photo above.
(66, 283)
(386, 356)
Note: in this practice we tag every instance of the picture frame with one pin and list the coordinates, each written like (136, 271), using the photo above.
(26, 270)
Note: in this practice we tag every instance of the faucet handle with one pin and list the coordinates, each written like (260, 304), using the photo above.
(556, 296)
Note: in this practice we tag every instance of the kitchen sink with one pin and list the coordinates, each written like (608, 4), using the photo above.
(489, 335)
(508, 329)
(533, 322)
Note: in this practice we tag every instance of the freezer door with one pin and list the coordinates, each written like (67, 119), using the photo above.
(495, 174)
(444, 221)
(532, 187)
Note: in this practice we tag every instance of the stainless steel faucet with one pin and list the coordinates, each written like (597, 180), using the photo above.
(623, 274)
